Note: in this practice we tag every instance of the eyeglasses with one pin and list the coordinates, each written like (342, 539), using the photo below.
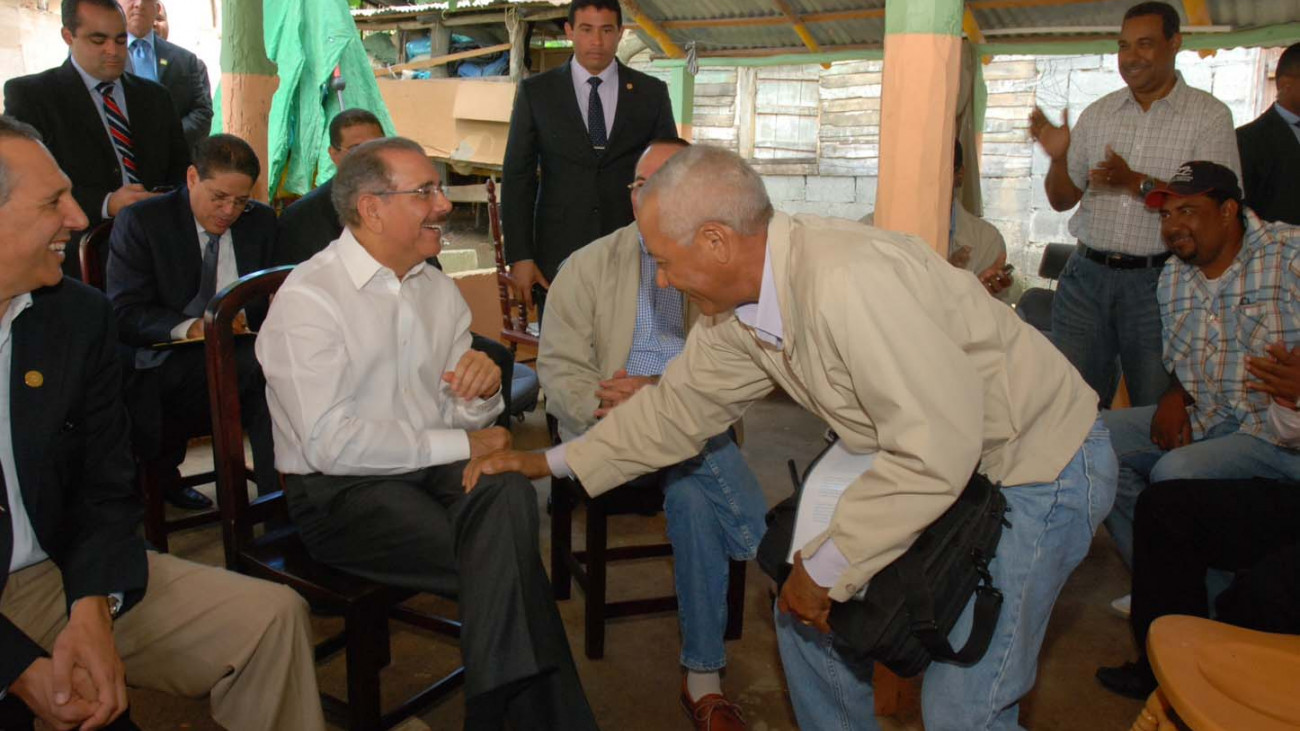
(636, 185)
(424, 191)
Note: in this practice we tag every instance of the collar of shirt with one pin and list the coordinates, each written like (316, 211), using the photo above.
(16, 307)
(608, 77)
(764, 316)
(361, 266)
(91, 82)
(1174, 98)
(1290, 118)
(148, 41)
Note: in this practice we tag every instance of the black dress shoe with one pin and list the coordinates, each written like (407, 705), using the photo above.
(187, 498)
(1132, 679)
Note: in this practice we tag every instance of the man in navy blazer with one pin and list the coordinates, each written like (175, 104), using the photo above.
(114, 134)
(1270, 148)
(181, 72)
(84, 608)
(583, 125)
(167, 257)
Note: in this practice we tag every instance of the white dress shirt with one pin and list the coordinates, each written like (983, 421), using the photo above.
(608, 91)
(97, 99)
(227, 270)
(354, 359)
(27, 550)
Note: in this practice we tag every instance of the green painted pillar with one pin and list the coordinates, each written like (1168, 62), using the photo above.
(918, 117)
(248, 80)
(681, 90)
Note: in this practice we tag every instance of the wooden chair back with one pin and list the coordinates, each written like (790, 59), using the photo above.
(514, 313)
(94, 255)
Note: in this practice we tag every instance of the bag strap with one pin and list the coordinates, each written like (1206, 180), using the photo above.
(920, 607)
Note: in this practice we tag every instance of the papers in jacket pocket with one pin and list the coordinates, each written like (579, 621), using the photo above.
(827, 481)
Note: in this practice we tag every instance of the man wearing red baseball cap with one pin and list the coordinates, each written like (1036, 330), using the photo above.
(1230, 308)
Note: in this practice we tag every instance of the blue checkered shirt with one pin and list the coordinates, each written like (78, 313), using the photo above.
(660, 332)
(1208, 334)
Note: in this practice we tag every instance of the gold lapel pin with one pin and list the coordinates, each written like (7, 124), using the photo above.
(629, 86)
(162, 61)
(34, 379)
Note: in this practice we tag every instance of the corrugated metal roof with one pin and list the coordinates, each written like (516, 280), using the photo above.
(1019, 21)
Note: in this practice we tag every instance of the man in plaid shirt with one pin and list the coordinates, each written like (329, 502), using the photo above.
(1230, 308)
(1121, 148)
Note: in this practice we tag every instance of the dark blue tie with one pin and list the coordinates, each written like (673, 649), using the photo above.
(208, 280)
(596, 117)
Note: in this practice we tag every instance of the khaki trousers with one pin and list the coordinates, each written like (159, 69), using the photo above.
(199, 630)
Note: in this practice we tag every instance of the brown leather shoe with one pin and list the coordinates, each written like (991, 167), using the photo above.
(713, 712)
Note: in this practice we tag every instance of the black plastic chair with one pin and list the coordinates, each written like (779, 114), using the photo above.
(1035, 305)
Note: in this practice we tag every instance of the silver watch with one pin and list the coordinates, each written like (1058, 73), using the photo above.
(1147, 185)
(114, 606)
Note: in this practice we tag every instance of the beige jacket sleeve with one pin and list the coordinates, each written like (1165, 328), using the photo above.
(567, 363)
(704, 390)
(925, 400)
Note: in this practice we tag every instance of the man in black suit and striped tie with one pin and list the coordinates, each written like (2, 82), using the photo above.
(114, 134)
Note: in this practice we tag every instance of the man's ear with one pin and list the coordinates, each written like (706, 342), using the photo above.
(716, 239)
(1231, 209)
(368, 207)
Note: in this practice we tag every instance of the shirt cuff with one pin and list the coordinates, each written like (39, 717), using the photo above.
(557, 463)
(446, 446)
(826, 564)
(103, 209)
(180, 331)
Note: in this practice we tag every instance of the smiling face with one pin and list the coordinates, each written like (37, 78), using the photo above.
(409, 217)
(1146, 57)
(36, 221)
(595, 34)
(99, 46)
(1201, 232)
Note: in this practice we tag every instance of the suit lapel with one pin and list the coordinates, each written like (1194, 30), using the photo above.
(162, 52)
(243, 239)
(189, 256)
(84, 105)
(35, 381)
(627, 98)
(562, 89)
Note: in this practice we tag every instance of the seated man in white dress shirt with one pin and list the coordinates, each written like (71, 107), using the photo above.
(377, 401)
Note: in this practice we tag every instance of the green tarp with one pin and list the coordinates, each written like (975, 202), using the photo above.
(306, 39)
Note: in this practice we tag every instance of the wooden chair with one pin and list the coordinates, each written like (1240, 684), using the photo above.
(278, 554)
(589, 566)
(1216, 677)
(514, 313)
(151, 475)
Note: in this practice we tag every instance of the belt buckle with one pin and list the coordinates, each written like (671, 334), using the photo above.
(1114, 259)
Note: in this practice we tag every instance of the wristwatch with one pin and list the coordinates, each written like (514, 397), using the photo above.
(1147, 185)
(114, 606)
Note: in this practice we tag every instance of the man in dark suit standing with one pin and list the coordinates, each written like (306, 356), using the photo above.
(84, 608)
(310, 223)
(167, 257)
(114, 134)
(1270, 148)
(583, 125)
(181, 72)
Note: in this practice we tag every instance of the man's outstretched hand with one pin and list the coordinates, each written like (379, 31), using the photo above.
(531, 464)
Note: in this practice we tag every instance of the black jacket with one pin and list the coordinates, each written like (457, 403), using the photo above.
(71, 454)
(308, 225)
(582, 195)
(186, 79)
(1270, 167)
(57, 103)
(155, 262)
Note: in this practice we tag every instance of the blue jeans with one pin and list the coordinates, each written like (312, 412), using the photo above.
(715, 510)
(1100, 314)
(1052, 524)
(1223, 453)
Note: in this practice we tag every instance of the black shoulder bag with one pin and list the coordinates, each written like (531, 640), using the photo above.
(911, 605)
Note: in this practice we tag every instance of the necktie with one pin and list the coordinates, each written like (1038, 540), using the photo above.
(208, 280)
(596, 116)
(142, 63)
(119, 130)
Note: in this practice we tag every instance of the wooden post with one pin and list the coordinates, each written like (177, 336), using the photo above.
(681, 90)
(248, 80)
(918, 117)
(439, 45)
(746, 102)
(518, 29)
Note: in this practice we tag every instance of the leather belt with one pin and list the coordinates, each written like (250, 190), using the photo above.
(1115, 260)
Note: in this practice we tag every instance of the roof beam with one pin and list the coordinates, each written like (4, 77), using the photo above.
(1198, 13)
(653, 29)
(767, 20)
(800, 29)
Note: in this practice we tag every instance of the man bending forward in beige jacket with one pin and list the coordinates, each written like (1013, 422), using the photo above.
(901, 354)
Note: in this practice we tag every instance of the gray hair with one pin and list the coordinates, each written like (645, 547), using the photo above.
(702, 184)
(365, 171)
(10, 129)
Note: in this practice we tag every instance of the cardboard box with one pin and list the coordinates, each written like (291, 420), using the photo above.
(460, 121)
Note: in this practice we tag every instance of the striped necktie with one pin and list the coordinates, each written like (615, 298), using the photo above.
(119, 129)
